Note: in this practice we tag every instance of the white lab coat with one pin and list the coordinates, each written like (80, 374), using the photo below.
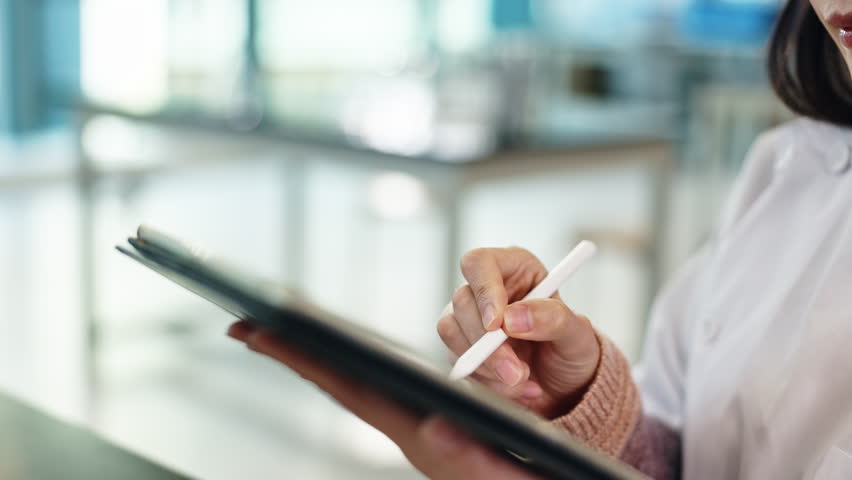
(749, 353)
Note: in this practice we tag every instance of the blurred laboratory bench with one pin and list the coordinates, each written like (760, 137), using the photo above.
(35, 445)
(128, 148)
(117, 143)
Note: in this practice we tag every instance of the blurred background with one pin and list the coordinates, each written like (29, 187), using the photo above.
(353, 150)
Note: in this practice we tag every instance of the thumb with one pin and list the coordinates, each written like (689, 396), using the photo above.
(571, 351)
(545, 320)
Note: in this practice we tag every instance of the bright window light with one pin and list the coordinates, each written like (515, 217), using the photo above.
(397, 196)
(124, 51)
(462, 25)
(343, 34)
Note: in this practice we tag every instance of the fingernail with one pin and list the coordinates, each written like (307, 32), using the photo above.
(251, 340)
(517, 319)
(531, 390)
(487, 316)
(237, 331)
(508, 372)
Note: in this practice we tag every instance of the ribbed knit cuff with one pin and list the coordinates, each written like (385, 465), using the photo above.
(609, 411)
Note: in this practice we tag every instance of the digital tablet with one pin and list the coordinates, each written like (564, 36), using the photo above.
(366, 356)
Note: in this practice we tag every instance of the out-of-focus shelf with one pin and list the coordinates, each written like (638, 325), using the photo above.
(190, 140)
(186, 141)
(37, 160)
(23, 181)
(216, 141)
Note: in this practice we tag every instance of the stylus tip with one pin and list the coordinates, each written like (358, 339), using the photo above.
(460, 370)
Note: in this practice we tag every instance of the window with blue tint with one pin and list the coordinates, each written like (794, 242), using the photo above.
(39, 63)
(511, 14)
(615, 23)
(60, 44)
(728, 22)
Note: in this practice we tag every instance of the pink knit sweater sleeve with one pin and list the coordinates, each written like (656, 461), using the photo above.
(609, 418)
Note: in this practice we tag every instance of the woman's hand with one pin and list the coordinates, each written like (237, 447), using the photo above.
(552, 353)
(433, 446)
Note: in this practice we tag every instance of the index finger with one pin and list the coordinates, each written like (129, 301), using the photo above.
(482, 272)
(496, 275)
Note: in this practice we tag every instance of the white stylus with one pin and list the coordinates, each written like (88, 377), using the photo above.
(488, 343)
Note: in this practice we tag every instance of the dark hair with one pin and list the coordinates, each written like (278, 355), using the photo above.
(806, 68)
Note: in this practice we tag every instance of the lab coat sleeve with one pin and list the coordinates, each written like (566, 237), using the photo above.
(662, 371)
(661, 374)
(652, 442)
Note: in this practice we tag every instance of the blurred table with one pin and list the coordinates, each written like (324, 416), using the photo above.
(448, 176)
(34, 445)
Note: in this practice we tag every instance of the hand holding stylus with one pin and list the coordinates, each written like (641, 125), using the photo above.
(551, 354)
(555, 351)
(488, 343)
